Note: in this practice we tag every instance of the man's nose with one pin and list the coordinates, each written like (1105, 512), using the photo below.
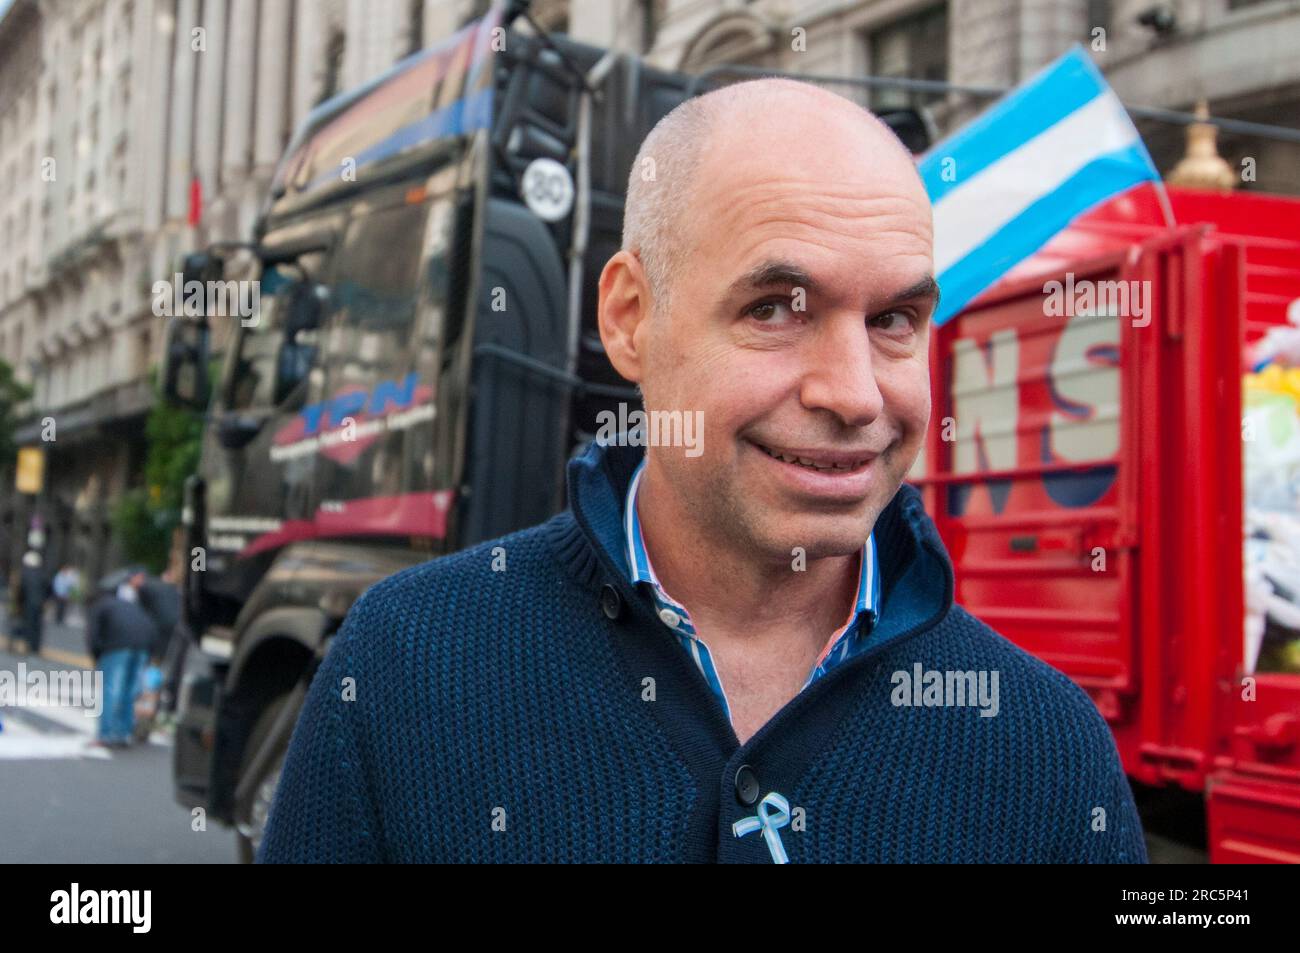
(840, 376)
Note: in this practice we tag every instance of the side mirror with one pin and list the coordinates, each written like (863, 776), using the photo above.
(913, 126)
(306, 308)
(185, 370)
(304, 314)
(202, 266)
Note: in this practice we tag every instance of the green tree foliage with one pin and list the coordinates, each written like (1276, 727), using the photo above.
(145, 518)
(145, 537)
(12, 393)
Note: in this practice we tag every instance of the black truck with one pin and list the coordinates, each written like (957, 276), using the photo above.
(423, 361)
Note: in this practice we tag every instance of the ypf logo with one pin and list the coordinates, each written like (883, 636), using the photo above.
(342, 426)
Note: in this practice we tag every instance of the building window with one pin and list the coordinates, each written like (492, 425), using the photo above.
(915, 47)
(144, 347)
(1099, 14)
(333, 66)
(474, 10)
(414, 26)
(652, 14)
(551, 15)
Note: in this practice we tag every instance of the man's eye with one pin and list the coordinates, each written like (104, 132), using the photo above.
(770, 312)
(892, 322)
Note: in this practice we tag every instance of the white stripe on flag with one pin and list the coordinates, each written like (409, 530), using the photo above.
(969, 215)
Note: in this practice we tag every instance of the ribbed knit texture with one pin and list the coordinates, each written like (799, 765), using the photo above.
(502, 716)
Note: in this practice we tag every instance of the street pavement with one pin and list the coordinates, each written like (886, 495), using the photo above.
(62, 801)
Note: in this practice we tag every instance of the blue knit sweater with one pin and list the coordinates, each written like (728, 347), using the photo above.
(506, 716)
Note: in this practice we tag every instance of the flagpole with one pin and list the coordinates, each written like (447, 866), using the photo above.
(1163, 196)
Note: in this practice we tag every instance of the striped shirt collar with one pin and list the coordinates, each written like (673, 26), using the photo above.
(866, 601)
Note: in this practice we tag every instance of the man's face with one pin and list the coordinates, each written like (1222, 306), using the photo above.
(799, 326)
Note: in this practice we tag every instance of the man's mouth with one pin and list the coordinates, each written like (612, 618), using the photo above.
(823, 461)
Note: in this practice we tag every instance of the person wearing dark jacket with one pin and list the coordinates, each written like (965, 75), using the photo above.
(33, 590)
(161, 598)
(162, 601)
(739, 649)
(119, 635)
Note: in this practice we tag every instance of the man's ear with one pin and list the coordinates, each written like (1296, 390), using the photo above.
(624, 303)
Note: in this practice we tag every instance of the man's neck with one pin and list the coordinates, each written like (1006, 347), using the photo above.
(714, 577)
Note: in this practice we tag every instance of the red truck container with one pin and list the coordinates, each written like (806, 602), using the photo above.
(1085, 470)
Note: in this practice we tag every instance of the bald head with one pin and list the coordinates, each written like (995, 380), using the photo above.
(691, 153)
(776, 283)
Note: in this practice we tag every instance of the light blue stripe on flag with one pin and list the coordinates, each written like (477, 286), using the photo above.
(1003, 186)
(1057, 91)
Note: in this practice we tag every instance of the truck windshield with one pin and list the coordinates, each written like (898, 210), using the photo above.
(270, 359)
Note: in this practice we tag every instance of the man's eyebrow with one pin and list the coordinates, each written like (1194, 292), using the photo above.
(777, 273)
(927, 287)
(773, 273)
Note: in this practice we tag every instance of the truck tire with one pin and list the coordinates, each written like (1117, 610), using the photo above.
(250, 817)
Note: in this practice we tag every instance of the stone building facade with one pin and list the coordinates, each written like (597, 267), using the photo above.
(132, 131)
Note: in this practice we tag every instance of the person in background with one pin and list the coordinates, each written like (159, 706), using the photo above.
(162, 598)
(119, 636)
(6, 564)
(33, 590)
(64, 582)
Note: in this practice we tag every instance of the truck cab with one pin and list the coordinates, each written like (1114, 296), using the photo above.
(421, 361)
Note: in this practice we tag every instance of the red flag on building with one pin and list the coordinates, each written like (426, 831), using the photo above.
(196, 201)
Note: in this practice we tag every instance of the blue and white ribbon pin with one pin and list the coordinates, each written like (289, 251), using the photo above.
(773, 814)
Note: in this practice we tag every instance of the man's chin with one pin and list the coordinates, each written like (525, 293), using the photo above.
(817, 538)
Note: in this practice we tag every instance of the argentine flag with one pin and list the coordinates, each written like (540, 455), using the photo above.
(1021, 172)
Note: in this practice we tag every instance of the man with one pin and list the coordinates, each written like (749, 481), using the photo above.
(34, 589)
(119, 634)
(161, 598)
(63, 587)
(59, 589)
(709, 656)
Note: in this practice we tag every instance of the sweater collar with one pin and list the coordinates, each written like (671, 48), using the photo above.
(915, 573)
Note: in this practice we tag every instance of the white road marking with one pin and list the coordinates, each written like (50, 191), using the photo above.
(25, 738)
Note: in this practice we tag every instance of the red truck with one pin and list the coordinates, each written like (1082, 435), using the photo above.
(1084, 467)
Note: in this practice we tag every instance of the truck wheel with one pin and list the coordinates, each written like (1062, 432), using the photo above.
(250, 823)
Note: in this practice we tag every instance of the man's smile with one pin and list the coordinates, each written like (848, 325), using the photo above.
(837, 461)
(838, 476)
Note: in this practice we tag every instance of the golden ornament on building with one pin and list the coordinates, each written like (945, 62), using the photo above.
(1201, 167)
